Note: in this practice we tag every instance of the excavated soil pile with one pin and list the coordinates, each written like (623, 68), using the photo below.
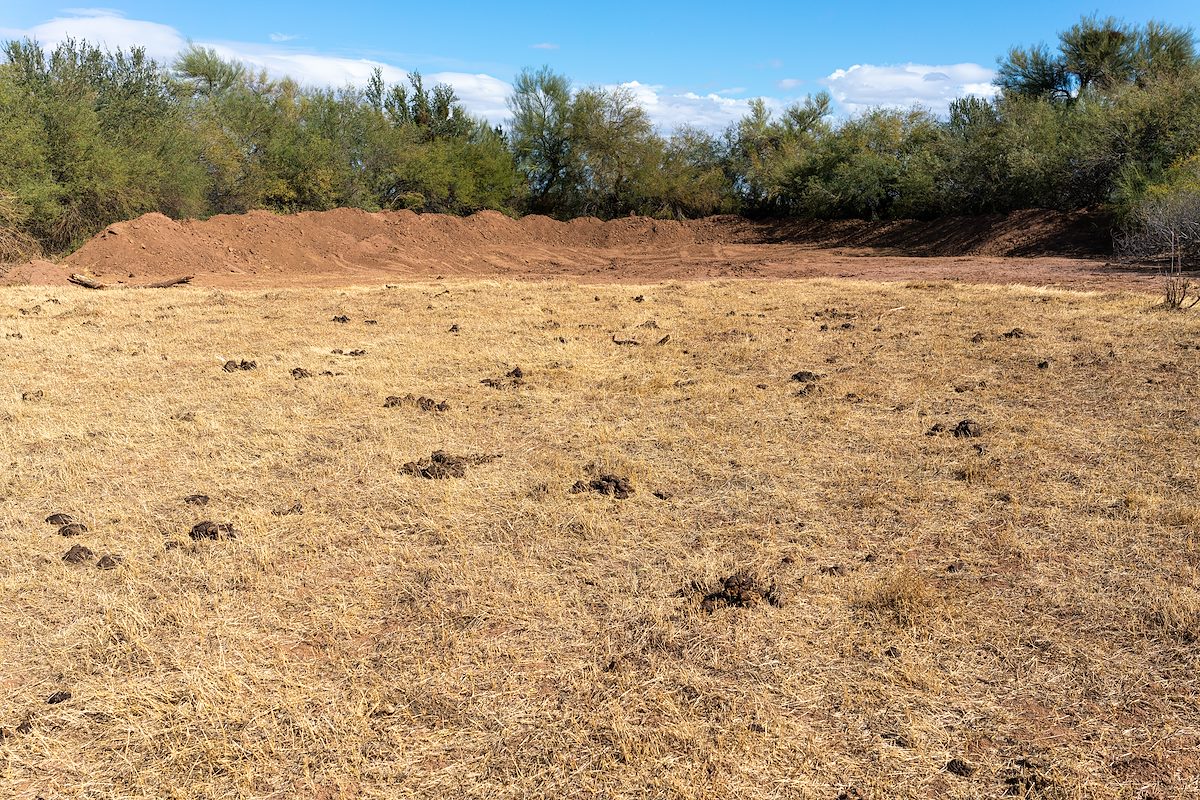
(349, 246)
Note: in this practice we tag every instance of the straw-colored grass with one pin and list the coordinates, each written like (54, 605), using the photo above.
(1022, 606)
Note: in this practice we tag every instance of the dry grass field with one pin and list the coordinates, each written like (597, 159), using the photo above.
(806, 594)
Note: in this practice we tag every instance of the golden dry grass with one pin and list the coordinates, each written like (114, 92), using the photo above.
(1032, 610)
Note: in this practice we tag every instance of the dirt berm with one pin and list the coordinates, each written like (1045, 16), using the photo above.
(349, 246)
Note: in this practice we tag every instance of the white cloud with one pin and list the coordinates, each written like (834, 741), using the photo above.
(282, 37)
(543, 46)
(481, 94)
(711, 111)
(855, 89)
(865, 85)
(108, 29)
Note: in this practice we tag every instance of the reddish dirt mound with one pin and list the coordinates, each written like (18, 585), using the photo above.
(1019, 234)
(349, 246)
(37, 273)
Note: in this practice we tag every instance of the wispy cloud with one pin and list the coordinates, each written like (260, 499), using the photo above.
(283, 37)
(787, 84)
(543, 46)
(865, 85)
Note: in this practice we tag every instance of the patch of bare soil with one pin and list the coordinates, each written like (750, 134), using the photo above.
(352, 247)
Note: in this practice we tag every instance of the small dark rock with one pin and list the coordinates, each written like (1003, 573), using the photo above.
(962, 769)
(74, 529)
(955, 567)
(196, 499)
(938, 428)
(59, 697)
(1015, 333)
(806, 376)
(454, 328)
(977, 338)
(60, 519)
(29, 397)
(342, 318)
(301, 372)
(110, 562)
(836, 570)
(663, 495)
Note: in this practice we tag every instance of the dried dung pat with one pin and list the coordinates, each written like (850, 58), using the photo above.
(60, 519)
(422, 403)
(967, 429)
(212, 530)
(73, 529)
(78, 555)
(110, 562)
(740, 590)
(611, 485)
(516, 377)
(441, 465)
(245, 366)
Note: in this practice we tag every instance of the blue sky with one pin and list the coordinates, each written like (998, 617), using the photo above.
(694, 62)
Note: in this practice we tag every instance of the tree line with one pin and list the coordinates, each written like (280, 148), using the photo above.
(1107, 117)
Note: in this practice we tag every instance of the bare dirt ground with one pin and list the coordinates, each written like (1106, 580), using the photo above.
(348, 247)
(504, 539)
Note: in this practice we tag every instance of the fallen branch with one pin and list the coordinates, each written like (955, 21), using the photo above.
(85, 281)
(92, 283)
(165, 284)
